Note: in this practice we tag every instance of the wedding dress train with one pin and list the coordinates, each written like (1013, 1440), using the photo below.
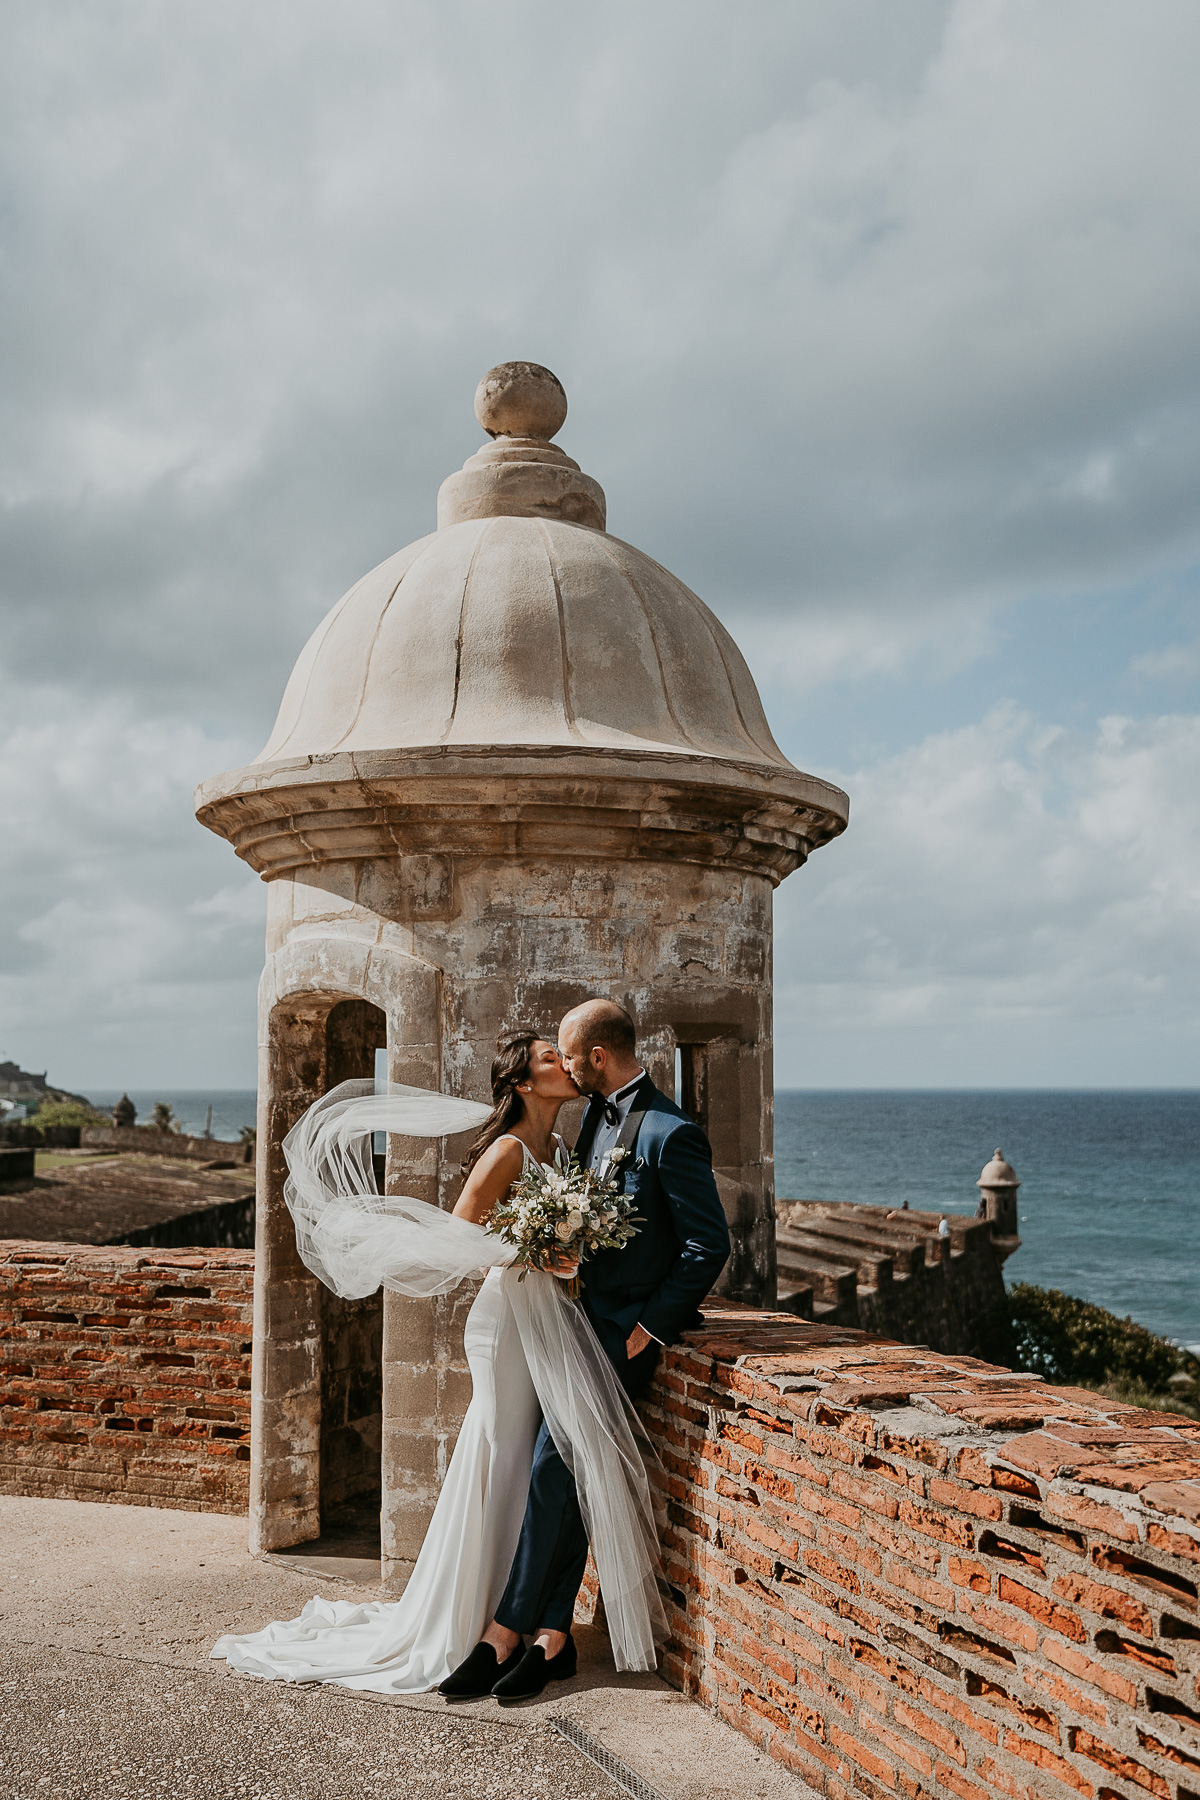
(531, 1352)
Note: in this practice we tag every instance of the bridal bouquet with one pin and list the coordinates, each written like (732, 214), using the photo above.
(558, 1209)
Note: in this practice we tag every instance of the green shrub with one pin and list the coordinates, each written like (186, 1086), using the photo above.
(67, 1112)
(1071, 1340)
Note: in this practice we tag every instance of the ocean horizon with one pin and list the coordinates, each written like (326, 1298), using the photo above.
(1109, 1202)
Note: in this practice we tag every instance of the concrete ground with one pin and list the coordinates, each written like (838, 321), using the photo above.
(106, 1691)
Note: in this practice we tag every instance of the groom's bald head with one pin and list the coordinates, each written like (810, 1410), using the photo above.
(602, 1022)
(598, 1044)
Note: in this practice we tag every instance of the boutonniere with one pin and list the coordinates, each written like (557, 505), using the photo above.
(618, 1156)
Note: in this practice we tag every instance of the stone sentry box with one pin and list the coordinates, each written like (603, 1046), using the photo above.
(519, 763)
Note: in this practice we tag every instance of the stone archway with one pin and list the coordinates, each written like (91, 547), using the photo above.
(318, 1359)
(344, 1416)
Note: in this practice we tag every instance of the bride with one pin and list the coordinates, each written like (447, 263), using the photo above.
(532, 1354)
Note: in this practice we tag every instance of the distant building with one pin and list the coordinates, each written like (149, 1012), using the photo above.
(28, 1090)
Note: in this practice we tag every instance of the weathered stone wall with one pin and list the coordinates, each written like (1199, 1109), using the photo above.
(687, 948)
(125, 1376)
(424, 946)
(911, 1574)
(16, 1164)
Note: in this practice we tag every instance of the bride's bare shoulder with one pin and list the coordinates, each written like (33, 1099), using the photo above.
(505, 1155)
(490, 1179)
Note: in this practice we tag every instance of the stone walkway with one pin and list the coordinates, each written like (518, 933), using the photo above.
(107, 1692)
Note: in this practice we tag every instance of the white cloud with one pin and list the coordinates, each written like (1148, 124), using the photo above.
(885, 309)
(791, 657)
(1014, 903)
(874, 320)
(1178, 662)
(128, 952)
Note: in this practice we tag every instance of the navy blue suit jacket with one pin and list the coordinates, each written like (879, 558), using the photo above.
(659, 1277)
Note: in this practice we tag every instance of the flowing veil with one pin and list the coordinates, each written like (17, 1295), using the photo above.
(356, 1240)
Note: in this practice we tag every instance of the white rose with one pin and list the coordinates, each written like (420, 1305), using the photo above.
(575, 1220)
(563, 1231)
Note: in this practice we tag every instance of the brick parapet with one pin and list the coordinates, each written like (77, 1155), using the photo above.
(125, 1374)
(910, 1574)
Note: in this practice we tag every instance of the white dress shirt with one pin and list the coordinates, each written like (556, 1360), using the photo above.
(605, 1140)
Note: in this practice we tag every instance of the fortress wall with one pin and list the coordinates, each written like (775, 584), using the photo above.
(125, 1376)
(911, 1574)
(149, 1142)
(888, 1272)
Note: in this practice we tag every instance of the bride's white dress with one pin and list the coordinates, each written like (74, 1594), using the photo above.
(531, 1352)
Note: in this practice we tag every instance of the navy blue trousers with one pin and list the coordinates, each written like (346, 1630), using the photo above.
(552, 1550)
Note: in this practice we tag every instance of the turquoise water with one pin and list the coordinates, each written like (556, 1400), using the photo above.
(1109, 1204)
(1110, 1182)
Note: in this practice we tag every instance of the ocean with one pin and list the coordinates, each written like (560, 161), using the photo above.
(1109, 1204)
(232, 1108)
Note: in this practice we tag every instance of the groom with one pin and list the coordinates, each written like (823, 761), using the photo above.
(638, 1298)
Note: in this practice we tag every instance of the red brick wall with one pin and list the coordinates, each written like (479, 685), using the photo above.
(125, 1374)
(909, 1574)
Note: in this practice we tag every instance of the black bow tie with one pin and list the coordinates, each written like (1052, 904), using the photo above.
(611, 1115)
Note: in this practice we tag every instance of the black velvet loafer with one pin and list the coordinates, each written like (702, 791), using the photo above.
(479, 1674)
(535, 1671)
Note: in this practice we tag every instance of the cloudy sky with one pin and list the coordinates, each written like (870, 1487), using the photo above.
(880, 326)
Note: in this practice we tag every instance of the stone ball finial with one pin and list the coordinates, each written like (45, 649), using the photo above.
(521, 399)
(998, 1173)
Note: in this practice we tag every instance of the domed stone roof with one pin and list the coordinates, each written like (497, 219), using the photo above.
(522, 630)
(520, 676)
(520, 621)
(998, 1173)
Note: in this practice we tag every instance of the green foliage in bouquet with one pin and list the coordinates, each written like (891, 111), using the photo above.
(560, 1210)
(1070, 1340)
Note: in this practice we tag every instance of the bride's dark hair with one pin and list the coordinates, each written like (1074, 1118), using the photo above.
(512, 1063)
